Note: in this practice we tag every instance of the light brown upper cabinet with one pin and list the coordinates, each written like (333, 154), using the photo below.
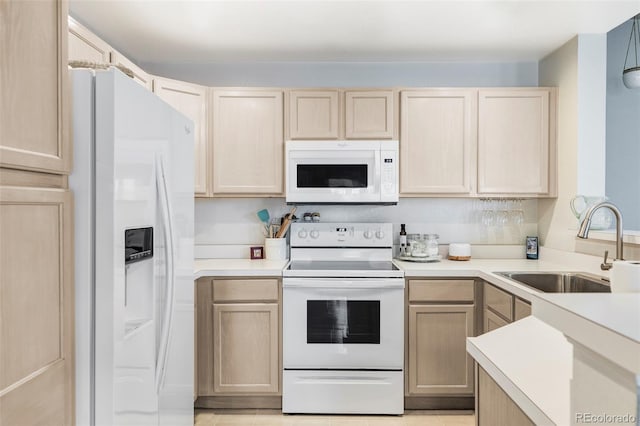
(86, 46)
(516, 141)
(191, 100)
(314, 114)
(34, 128)
(248, 143)
(437, 141)
(139, 75)
(369, 114)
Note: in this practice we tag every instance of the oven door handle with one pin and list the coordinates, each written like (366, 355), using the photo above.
(342, 284)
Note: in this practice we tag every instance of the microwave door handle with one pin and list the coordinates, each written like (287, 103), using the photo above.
(377, 170)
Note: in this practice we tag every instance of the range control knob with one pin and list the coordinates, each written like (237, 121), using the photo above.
(368, 234)
(379, 234)
(302, 233)
(314, 234)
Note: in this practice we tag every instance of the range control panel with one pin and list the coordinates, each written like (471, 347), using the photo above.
(341, 235)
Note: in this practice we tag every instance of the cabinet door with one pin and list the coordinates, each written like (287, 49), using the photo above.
(513, 141)
(36, 306)
(521, 309)
(369, 114)
(204, 299)
(438, 359)
(34, 133)
(437, 141)
(245, 348)
(191, 100)
(195, 341)
(495, 407)
(248, 145)
(86, 46)
(313, 114)
(139, 75)
(493, 321)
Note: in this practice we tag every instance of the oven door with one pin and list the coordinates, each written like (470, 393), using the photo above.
(343, 323)
(333, 173)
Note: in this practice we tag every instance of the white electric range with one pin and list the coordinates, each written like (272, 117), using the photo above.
(343, 321)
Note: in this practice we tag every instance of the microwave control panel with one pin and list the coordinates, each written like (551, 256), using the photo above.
(389, 176)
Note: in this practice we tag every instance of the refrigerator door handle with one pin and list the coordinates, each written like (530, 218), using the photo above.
(165, 207)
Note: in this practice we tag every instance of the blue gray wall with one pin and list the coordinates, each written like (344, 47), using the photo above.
(351, 74)
(623, 132)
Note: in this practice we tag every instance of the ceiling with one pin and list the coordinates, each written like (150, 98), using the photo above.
(160, 31)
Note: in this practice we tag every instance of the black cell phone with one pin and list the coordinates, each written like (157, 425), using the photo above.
(532, 247)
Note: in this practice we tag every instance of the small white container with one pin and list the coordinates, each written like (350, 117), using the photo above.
(459, 251)
(275, 248)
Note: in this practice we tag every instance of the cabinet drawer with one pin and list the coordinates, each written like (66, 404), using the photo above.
(498, 301)
(245, 290)
(441, 291)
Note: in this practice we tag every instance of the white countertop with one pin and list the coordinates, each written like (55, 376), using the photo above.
(486, 268)
(239, 268)
(530, 359)
(532, 363)
(608, 324)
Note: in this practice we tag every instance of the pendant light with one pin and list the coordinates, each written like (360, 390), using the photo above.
(631, 74)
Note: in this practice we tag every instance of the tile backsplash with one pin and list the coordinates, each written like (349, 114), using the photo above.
(225, 228)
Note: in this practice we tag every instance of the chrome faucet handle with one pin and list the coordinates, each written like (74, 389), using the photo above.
(605, 266)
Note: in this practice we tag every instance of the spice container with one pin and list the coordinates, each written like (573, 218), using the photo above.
(417, 245)
(431, 241)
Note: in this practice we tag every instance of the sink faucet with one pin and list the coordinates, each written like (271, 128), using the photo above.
(583, 232)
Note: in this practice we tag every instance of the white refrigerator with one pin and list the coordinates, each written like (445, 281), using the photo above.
(133, 183)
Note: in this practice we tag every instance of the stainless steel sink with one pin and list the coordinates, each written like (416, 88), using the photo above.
(560, 282)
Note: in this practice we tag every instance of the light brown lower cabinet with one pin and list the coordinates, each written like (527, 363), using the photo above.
(36, 307)
(441, 315)
(245, 348)
(238, 339)
(494, 407)
(438, 360)
(493, 321)
(502, 308)
(521, 309)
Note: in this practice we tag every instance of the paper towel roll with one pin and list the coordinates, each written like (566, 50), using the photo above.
(625, 276)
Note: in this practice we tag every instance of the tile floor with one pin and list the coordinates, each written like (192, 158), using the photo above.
(276, 418)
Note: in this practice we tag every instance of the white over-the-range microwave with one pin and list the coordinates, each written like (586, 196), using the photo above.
(342, 172)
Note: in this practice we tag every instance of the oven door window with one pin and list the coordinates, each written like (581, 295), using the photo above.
(343, 321)
(332, 176)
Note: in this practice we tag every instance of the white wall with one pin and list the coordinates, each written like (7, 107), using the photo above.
(227, 227)
(556, 224)
(560, 69)
(351, 74)
(623, 132)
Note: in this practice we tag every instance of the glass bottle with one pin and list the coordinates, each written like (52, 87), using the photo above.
(403, 240)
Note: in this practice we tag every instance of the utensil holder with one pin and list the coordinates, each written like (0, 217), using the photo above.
(275, 248)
